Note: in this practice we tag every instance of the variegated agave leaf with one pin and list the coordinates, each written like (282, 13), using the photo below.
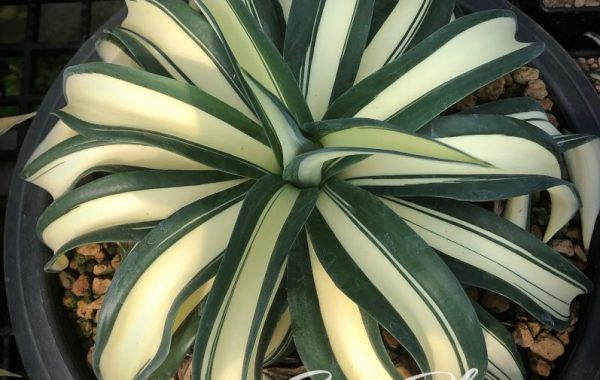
(284, 173)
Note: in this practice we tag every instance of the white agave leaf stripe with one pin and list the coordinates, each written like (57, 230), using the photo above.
(501, 363)
(89, 95)
(226, 359)
(58, 176)
(483, 147)
(152, 21)
(582, 163)
(249, 375)
(564, 201)
(304, 69)
(511, 157)
(564, 205)
(330, 44)
(386, 139)
(468, 50)
(59, 133)
(111, 53)
(569, 139)
(405, 294)
(138, 328)
(538, 119)
(253, 11)
(194, 5)
(6, 123)
(281, 334)
(545, 126)
(517, 210)
(125, 208)
(159, 56)
(393, 37)
(530, 154)
(61, 263)
(344, 326)
(412, 181)
(190, 303)
(242, 45)
(593, 36)
(491, 253)
(286, 5)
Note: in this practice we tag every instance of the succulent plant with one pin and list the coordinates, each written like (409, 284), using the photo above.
(287, 172)
(6, 123)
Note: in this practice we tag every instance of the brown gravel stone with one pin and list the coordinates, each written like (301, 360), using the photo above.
(574, 317)
(100, 286)
(580, 253)
(536, 89)
(494, 302)
(84, 310)
(574, 233)
(493, 90)
(524, 75)
(66, 279)
(563, 336)
(115, 262)
(403, 370)
(90, 252)
(97, 303)
(283, 373)
(81, 286)
(564, 246)
(547, 104)
(103, 269)
(522, 335)
(540, 366)
(534, 327)
(84, 328)
(547, 346)
(389, 341)
(406, 365)
(69, 300)
(185, 370)
(94, 250)
(467, 102)
(73, 264)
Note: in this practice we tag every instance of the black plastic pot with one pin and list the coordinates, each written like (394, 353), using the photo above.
(47, 343)
(44, 335)
(567, 25)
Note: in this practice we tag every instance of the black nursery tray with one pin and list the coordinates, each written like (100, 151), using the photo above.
(567, 25)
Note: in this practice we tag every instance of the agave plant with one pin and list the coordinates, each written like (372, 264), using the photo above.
(286, 174)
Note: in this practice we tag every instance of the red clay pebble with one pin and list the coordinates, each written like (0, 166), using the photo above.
(81, 286)
(495, 302)
(522, 335)
(547, 346)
